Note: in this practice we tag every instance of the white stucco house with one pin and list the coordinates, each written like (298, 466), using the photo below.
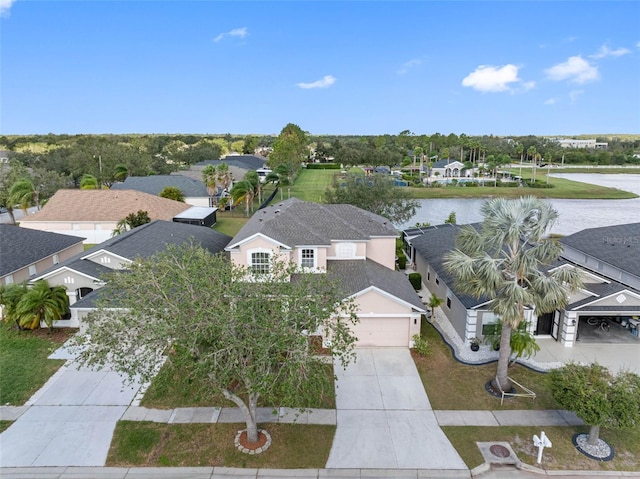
(355, 246)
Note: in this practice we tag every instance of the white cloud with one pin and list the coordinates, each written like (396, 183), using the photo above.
(575, 70)
(236, 32)
(5, 6)
(487, 78)
(325, 82)
(406, 66)
(605, 51)
(550, 101)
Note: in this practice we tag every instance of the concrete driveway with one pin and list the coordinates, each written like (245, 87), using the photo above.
(70, 421)
(384, 417)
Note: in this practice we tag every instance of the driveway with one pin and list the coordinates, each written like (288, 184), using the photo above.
(384, 417)
(70, 421)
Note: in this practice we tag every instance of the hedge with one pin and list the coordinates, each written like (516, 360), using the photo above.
(416, 280)
(323, 166)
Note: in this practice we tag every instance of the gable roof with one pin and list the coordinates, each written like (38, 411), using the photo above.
(358, 275)
(444, 163)
(618, 245)
(144, 241)
(105, 205)
(20, 247)
(154, 185)
(295, 222)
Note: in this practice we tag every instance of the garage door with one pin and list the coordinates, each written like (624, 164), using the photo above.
(390, 332)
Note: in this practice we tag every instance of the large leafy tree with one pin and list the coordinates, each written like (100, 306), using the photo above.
(597, 397)
(376, 193)
(290, 147)
(506, 260)
(41, 304)
(172, 193)
(245, 339)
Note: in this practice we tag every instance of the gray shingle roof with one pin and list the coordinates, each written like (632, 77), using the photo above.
(155, 184)
(245, 162)
(357, 275)
(432, 245)
(20, 247)
(146, 240)
(618, 246)
(294, 222)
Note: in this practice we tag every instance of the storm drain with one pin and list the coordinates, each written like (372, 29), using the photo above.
(498, 453)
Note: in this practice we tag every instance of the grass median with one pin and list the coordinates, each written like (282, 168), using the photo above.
(149, 444)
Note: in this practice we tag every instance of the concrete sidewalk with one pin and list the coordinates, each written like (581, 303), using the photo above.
(540, 417)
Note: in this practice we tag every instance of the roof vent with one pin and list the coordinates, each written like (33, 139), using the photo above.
(277, 211)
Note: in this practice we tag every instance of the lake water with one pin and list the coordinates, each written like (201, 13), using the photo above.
(575, 215)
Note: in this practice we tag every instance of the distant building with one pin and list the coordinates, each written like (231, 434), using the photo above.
(591, 144)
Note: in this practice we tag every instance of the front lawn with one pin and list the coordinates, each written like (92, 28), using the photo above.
(310, 185)
(24, 366)
(171, 389)
(191, 445)
(562, 454)
(452, 385)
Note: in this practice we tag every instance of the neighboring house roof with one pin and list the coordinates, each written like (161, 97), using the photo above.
(358, 275)
(618, 246)
(432, 245)
(21, 247)
(144, 241)
(245, 162)
(294, 222)
(105, 205)
(154, 185)
(444, 163)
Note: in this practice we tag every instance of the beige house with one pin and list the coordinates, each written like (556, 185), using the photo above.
(24, 253)
(94, 214)
(355, 246)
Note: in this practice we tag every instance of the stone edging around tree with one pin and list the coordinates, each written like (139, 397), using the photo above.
(252, 452)
(601, 451)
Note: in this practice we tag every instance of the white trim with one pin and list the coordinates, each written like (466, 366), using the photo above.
(254, 236)
(253, 251)
(335, 258)
(582, 271)
(107, 252)
(315, 258)
(386, 295)
(602, 298)
(59, 270)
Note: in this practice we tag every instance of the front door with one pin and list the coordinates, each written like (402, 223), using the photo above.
(556, 325)
(545, 324)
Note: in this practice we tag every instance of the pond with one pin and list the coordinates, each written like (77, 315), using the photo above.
(575, 215)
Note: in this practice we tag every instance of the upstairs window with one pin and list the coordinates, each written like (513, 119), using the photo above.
(32, 270)
(260, 262)
(308, 258)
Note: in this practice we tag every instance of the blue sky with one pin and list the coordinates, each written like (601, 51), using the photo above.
(332, 67)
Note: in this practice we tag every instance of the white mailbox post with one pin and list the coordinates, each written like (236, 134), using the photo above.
(541, 442)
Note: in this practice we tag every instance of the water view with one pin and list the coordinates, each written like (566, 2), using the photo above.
(575, 215)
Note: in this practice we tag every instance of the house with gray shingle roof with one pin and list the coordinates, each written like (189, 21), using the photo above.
(84, 273)
(608, 258)
(352, 245)
(194, 190)
(25, 253)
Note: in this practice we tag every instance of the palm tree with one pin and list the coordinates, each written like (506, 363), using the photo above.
(243, 190)
(89, 182)
(120, 172)
(224, 176)
(285, 173)
(520, 151)
(505, 259)
(434, 302)
(24, 194)
(42, 304)
(253, 178)
(531, 154)
(209, 177)
(10, 296)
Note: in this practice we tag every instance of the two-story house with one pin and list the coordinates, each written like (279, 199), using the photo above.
(352, 245)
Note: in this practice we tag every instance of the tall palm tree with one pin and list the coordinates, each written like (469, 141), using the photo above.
(243, 190)
(209, 177)
(505, 259)
(121, 172)
(224, 176)
(42, 304)
(25, 194)
(285, 173)
(520, 151)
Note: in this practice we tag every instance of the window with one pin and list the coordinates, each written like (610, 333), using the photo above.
(448, 302)
(105, 260)
(260, 262)
(437, 280)
(308, 258)
(56, 259)
(8, 279)
(69, 280)
(428, 275)
(32, 270)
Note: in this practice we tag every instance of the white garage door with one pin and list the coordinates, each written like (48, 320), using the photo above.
(390, 332)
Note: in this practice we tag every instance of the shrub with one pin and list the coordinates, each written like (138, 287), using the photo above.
(420, 345)
(323, 166)
(402, 261)
(416, 280)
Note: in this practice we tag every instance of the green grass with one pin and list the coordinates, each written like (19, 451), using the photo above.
(191, 445)
(5, 424)
(24, 366)
(229, 223)
(562, 455)
(171, 389)
(452, 385)
(310, 185)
